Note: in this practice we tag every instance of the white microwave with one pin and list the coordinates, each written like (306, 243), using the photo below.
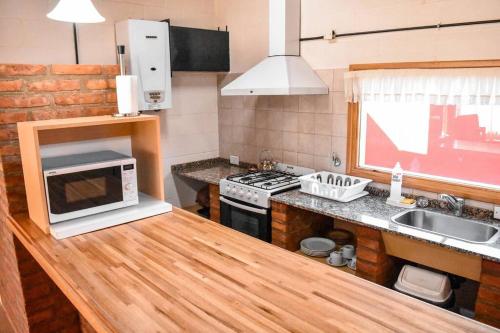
(90, 183)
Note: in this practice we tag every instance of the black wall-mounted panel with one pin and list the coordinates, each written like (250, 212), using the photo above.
(199, 50)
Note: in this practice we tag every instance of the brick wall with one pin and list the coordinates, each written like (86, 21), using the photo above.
(10, 284)
(37, 92)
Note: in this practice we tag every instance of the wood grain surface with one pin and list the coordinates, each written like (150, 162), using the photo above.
(179, 272)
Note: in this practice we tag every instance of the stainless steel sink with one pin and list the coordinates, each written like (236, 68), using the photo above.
(447, 225)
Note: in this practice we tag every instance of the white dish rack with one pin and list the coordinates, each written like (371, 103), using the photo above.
(334, 186)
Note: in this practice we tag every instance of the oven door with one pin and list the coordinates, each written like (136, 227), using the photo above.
(80, 193)
(246, 218)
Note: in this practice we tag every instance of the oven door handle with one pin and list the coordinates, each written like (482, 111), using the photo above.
(243, 207)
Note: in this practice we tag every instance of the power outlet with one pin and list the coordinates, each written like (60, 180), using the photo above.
(496, 212)
(234, 159)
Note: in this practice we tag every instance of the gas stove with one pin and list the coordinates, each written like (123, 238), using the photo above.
(257, 187)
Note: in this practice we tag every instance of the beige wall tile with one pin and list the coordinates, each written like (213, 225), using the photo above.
(244, 117)
(269, 139)
(323, 104)
(276, 103)
(260, 137)
(261, 118)
(275, 120)
(290, 157)
(322, 163)
(340, 125)
(339, 147)
(339, 104)
(226, 134)
(250, 102)
(243, 135)
(275, 139)
(249, 154)
(277, 154)
(290, 121)
(305, 160)
(322, 145)
(225, 150)
(306, 123)
(226, 117)
(323, 123)
(307, 103)
(290, 141)
(291, 103)
(306, 143)
(262, 103)
(226, 102)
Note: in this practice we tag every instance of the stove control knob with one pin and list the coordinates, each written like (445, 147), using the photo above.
(249, 195)
(241, 193)
(228, 189)
(233, 190)
(255, 197)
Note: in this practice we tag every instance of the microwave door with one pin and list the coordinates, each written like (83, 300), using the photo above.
(83, 190)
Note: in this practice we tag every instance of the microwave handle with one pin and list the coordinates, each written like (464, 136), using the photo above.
(243, 207)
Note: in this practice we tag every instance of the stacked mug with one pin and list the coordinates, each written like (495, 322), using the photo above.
(345, 256)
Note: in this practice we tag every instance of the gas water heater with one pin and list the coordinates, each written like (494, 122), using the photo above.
(147, 55)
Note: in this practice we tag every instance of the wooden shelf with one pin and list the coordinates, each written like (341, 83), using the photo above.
(323, 261)
(144, 133)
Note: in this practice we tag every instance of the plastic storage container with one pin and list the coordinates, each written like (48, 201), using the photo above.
(333, 186)
(431, 287)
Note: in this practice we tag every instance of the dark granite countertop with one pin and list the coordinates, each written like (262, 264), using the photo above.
(209, 171)
(372, 211)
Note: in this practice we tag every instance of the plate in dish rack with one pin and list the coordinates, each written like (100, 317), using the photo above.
(317, 246)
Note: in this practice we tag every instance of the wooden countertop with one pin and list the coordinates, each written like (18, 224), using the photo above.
(178, 272)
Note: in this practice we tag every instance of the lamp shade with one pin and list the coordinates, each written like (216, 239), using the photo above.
(76, 11)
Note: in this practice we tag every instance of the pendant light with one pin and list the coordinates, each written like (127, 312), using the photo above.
(76, 11)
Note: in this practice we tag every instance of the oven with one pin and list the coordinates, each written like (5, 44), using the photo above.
(245, 217)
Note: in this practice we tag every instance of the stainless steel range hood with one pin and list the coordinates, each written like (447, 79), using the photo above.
(284, 71)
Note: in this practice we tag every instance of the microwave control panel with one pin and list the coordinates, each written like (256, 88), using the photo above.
(129, 179)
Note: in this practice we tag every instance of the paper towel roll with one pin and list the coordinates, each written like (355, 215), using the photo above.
(126, 94)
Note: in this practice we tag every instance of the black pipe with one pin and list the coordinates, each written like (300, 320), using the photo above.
(422, 27)
(75, 39)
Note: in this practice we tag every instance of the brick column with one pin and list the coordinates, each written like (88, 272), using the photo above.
(290, 225)
(488, 296)
(372, 262)
(37, 92)
(214, 202)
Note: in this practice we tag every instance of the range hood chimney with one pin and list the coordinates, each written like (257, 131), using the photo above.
(284, 71)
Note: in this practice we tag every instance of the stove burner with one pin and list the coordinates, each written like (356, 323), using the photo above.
(267, 180)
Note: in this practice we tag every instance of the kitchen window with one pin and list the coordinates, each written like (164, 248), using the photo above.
(441, 123)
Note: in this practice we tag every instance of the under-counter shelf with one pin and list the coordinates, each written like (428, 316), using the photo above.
(323, 261)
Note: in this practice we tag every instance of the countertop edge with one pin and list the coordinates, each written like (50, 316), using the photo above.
(97, 323)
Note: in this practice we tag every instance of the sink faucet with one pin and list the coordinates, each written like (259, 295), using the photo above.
(457, 204)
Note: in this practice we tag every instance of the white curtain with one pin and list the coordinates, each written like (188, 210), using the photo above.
(468, 86)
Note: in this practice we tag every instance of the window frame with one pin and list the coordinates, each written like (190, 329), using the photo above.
(414, 182)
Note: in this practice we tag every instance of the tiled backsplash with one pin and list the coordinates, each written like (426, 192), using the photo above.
(302, 130)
